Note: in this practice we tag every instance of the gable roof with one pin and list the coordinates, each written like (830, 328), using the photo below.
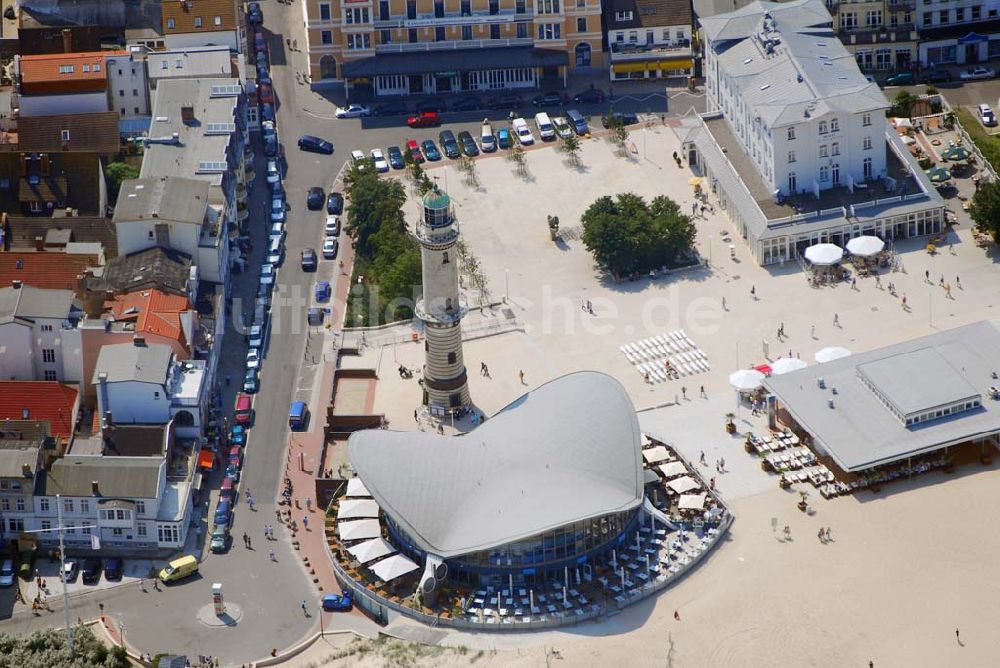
(152, 311)
(45, 401)
(51, 270)
(184, 12)
(56, 67)
(649, 13)
(83, 229)
(165, 198)
(127, 477)
(165, 269)
(29, 302)
(567, 451)
(88, 133)
(146, 363)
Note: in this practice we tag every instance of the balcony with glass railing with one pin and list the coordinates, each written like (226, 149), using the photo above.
(404, 47)
(434, 20)
(626, 51)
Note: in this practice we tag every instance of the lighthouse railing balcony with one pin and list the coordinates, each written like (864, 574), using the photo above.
(436, 235)
(439, 313)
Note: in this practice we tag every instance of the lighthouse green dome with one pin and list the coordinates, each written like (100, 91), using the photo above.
(436, 199)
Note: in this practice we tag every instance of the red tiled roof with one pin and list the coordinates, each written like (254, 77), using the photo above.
(44, 269)
(153, 311)
(45, 400)
(47, 67)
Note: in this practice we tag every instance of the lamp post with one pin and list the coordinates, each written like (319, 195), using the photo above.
(121, 632)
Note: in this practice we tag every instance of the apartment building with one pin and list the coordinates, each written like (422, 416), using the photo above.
(192, 23)
(957, 32)
(33, 324)
(881, 34)
(403, 47)
(649, 39)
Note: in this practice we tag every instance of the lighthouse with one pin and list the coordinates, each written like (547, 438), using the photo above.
(446, 385)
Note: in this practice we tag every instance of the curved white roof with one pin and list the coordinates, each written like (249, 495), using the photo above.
(567, 451)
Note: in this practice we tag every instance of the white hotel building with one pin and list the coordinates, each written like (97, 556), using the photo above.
(795, 145)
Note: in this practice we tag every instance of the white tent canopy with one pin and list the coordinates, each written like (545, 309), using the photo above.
(656, 454)
(358, 530)
(354, 508)
(371, 550)
(691, 501)
(832, 353)
(865, 245)
(673, 469)
(356, 488)
(746, 379)
(684, 484)
(786, 365)
(824, 254)
(393, 567)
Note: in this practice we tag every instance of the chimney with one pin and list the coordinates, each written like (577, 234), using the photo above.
(26, 470)
(69, 212)
(108, 421)
(39, 244)
(139, 341)
(16, 284)
(67, 37)
(187, 114)
(95, 488)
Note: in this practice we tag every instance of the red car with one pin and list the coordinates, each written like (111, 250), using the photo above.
(425, 119)
(266, 94)
(244, 409)
(414, 148)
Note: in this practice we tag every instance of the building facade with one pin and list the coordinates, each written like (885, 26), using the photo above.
(193, 23)
(649, 39)
(33, 322)
(881, 34)
(957, 32)
(400, 47)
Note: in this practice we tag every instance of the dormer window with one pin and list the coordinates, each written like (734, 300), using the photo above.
(65, 135)
(623, 16)
(197, 22)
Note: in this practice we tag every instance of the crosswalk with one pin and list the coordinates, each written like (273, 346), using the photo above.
(666, 356)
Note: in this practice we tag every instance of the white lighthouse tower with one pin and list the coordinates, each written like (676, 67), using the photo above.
(442, 308)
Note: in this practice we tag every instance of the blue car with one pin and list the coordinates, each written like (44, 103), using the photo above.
(431, 151)
(238, 435)
(395, 157)
(233, 471)
(222, 511)
(337, 603)
(323, 291)
(267, 112)
(503, 138)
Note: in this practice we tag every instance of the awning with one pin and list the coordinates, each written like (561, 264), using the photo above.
(356, 488)
(656, 454)
(681, 485)
(393, 567)
(652, 65)
(354, 508)
(206, 459)
(621, 68)
(370, 550)
(674, 64)
(358, 530)
(451, 60)
(691, 501)
(673, 469)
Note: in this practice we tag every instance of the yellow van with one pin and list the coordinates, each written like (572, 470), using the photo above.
(179, 568)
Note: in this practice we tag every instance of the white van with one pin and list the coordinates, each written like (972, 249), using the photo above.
(522, 131)
(986, 115)
(487, 139)
(546, 130)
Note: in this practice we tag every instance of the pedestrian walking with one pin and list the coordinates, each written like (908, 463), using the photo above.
(703, 392)
(142, 584)
(821, 535)
(684, 391)
(266, 535)
(753, 291)
(677, 616)
(245, 539)
(415, 415)
(927, 275)
(702, 459)
(250, 502)
(270, 554)
(305, 608)
(309, 504)
(958, 282)
(249, 543)
(694, 208)
(941, 280)
(711, 484)
(787, 532)
(722, 464)
(724, 304)
(854, 282)
(878, 282)
(829, 534)
(836, 320)
(520, 376)
(904, 302)
(957, 637)
(947, 291)
(812, 332)
(305, 523)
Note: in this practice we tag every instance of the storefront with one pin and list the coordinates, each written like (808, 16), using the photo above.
(652, 69)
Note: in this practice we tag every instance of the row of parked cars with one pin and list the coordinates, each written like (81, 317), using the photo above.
(471, 102)
(89, 571)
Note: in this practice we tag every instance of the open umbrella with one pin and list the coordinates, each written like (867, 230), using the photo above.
(694, 181)
(939, 174)
(787, 364)
(956, 153)
(746, 379)
(824, 254)
(865, 245)
(831, 353)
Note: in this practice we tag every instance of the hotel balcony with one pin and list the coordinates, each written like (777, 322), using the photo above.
(401, 47)
(628, 51)
(430, 20)
(879, 35)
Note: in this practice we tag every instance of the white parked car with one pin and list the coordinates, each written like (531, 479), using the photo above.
(562, 127)
(253, 359)
(273, 175)
(977, 73)
(7, 573)
(359, 158)
(330, 247)
(522, 132)
(381, 165)
(277, 231)
(353, 111)
(332, 228)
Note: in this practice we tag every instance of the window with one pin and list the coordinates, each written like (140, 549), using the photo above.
(64, 134)
(873, 19)
(135, 110)
(5, 505)
(623, 16)
(960, 14)
(359, 41)
(170, 24)
(411, 35)
(976, 13)
(494, 31)
(466, 32)
(46, 525)
(824, 174)
(197, 22)
(324, 11)
(385, 36)
(140, 529)
(439, 9)
(179, 64)
(547, 6)
(67, 505)
(943, 16)
(451, 358)
(168, 533)
(15, 525)
(791, 134)
(494, 7)
(49, 355)
(117, 531)
(522, 30)
(140, 507)
(446, 260)
(163, 64)
(70, 528)
(548, 31)
(84, 505)
(927, 19)
(97, 67)
(791, 156)
(792, 183)
(866, 120)
(411, 10)
(835, 148)
(823, 151)
(43, 505)
(49, 374)
(326, 37)
(581, 25)
(439, 34)
(848, 21)
(121, 92)
(866, 144)
(135, 92)
(356, 15)
(19, 505)
(86, 67)
(867, 167)
(520, 6)
(822, 127)
(834, 125)
(217, 20)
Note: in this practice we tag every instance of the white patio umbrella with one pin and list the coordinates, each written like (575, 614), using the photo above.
(371, 550)
(786, 364)
(356, 488)
(865, 245)
(746, 379)
(831, 353)
(824, 254)
(393, 567)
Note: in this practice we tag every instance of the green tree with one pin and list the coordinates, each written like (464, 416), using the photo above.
(571, 147)
(371, 200)
(985, 209)
(47, 648)
(619, 133)
(627, 234)
(901, 105)
(116, 173)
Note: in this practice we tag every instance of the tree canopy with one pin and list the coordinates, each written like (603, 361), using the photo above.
(47, 648)
(626, 234)
(985, 210)
(116, 173)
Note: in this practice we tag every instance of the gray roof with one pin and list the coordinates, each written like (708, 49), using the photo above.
(919, 380)
(566, 451)
(198, 143)
(15, 455)
(147, 363)
(860, 432)
(447, 60)
(808, 73)
(166, 269)
(28, 302)
(165, 198)
(128, 477)
(202, 61)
